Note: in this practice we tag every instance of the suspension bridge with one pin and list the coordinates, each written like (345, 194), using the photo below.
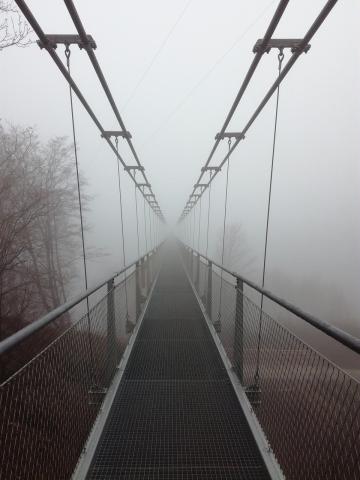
(174, 367)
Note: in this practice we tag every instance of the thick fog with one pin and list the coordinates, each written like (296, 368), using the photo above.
(174, 69)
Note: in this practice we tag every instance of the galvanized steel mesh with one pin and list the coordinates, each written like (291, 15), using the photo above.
(308, 408)
(47, 409)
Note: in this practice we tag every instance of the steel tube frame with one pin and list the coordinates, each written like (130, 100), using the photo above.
(42, 37)
(334, 332)
(303, 44)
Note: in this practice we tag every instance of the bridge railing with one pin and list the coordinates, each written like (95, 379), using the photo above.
(307, 406)
(48, 407)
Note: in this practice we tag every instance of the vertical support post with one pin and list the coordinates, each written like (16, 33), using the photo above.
(137, 290)
(239, 331)
(147, 273)
(191, 264)
(197, 278)
(111, 332)
(209, 289)
(142, 263)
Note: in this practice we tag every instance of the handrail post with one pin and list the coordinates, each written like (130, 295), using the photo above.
(137, 289)
(239, 331)
(147, 273)
(209, 288)
(111, 331)
(191, 264)
(142, 264)
(197, 280)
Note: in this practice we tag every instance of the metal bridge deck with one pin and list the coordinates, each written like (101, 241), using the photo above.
(175, 414)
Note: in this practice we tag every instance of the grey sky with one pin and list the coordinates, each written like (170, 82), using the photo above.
(314, 231)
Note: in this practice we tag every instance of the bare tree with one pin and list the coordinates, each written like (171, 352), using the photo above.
(14, 30)
(236, 249)
(39, 226)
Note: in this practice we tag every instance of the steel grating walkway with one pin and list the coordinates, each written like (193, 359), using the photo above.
(175, 414)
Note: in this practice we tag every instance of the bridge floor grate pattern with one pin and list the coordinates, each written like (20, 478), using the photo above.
(175, 414)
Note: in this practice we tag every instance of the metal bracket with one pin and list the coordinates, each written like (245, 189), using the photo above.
(295, 44)
(237, 135)
(149, 195)
(116, 133)
(215, 169)
(144, 185)
(200, 185)
(52, 41)
(128, 168)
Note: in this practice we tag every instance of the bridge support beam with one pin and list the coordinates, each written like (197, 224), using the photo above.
(239, 331)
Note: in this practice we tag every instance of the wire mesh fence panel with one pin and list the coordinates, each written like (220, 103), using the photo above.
(47, 408)
(308, 408)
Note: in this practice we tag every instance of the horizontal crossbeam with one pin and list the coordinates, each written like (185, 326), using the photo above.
(214, 169)
(128, 168)
(295, 44)
(221, 136)
(53, 41)
(116, 133)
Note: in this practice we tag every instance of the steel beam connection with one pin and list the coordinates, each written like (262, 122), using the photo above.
(295, 44)
(52, 41)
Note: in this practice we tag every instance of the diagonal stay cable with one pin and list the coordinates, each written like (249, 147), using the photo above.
(157, 53)
(205, 76)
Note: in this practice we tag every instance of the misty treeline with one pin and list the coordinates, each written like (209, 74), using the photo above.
(39, 226)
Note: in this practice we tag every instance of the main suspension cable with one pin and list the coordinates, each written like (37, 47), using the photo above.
(67, 55)
(208, 216)
(137, 219)
(145, 229)
(199, 225)
(280, 60)
(122, 230)
(223, 235)
(150, 230)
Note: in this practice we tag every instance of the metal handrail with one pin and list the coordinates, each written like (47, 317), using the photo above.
(334, 332)
(26, 332)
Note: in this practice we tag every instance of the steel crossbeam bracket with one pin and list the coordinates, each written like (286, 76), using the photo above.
(200, 185)
(295, 44)
(128, 168)
(116, 133)
(214, 169)
(149, 195)
(144, 185)
(52, 41)
(237, 135)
